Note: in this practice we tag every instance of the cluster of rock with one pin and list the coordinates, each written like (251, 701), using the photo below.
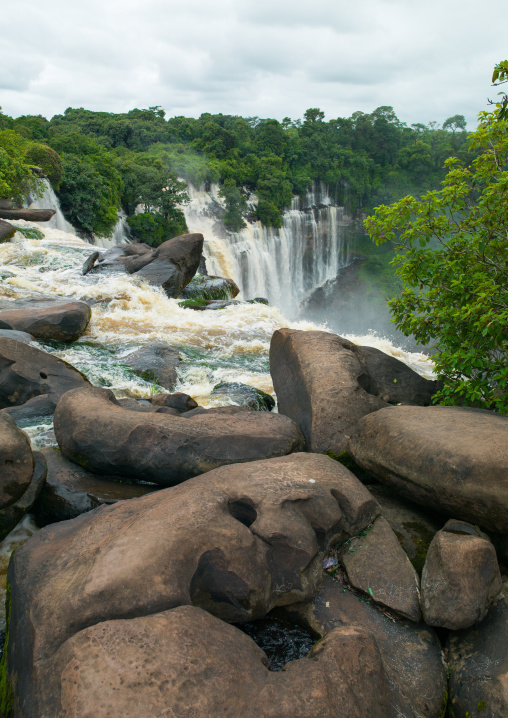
(8, 230)
(168, 524)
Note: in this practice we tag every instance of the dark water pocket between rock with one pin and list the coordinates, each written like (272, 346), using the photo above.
(282, 642)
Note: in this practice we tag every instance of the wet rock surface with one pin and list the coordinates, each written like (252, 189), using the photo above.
(244, 395)
(235, 542)
(11, 515)
(210, 287)
(93, 430)
(460, 578)
(16, 462)
(155, 362)
(451, 459)
(54, 319)
(71, 490)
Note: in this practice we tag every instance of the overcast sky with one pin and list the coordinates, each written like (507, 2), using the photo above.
(272, 58)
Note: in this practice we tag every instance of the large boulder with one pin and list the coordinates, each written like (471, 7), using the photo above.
(93, 430)
(411, 653)
(460, 578)
(7, 231)
(210, 287)
(173, 263)
(62, 320)
(29, 215)
(236, 542)
(123, 258)
(71, 490)
(16, 462)
(27, 373)
(326, 384)
(319, 380)
(452, 459)
(478, 662)
(155, 362)
(11, 515)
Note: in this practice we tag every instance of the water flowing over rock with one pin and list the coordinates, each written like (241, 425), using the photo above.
(48, 199)
(280, 264)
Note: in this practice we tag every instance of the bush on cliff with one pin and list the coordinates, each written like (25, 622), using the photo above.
(453, 260)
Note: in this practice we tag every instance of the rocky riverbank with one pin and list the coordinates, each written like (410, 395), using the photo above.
(377, 522)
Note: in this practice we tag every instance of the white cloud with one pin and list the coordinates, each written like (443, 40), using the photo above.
(272, 59)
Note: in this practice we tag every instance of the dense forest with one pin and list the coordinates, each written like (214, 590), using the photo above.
(99, 162)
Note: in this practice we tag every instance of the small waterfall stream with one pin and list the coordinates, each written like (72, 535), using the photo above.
(49, 200)
(279, 264)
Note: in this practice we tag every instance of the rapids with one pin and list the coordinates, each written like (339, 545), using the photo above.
(227, 345)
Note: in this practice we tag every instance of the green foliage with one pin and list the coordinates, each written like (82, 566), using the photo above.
(268, 214)
(16, 176)
(154, 229)
(30, 232)
(500, 77)
(235, 205)
(453, 260)
(48, 160)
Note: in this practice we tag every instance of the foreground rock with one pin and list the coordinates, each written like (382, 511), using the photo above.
(30, 375)
(54, 319)
(171, 265)
(451, 459)
(460, 578)
(479, 665)
(235, 542)
(7, 231)
(326, 384)
(411, 654)
(377, 565)
(11, 515)
(16, 462)
(93, 430)
(155, 362)
(71, 490)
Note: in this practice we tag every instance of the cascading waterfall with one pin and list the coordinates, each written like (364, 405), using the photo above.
(279, 264)
(49, 200)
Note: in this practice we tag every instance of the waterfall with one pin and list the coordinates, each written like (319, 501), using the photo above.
(283, 264)
(120, 234)
(49, 200)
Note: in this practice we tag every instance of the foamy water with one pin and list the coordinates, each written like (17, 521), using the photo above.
(215, 346)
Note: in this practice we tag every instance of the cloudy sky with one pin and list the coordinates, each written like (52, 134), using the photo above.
(272, 58)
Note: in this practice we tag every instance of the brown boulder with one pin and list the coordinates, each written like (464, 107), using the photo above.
(27, 372)
(173, 263)
(186, 663)
(236, 542)
(318, 380)
(29, 215)
(7, 231)
(71, 490)
(16, 462)
(60, 320)
(377, 565)
(460, 578)
(155, 362)
(93, 430)
(12, 514)
(411, 654)
(452, 459)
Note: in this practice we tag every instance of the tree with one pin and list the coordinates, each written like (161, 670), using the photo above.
(457, 122)
(16, 176)
(453, 261)
(500, 77)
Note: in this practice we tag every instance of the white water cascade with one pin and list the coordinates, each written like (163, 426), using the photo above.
(49, 200)
(279, 264)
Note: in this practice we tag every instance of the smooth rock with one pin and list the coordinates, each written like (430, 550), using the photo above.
(411, 654)
(179, 401)
(87, 266)
(452, 459)
(16, 462)
(236, 542)
(460, 578)
(155, 362)
(478, 662)
(173, 263)
(29, 215)
(7, 231)
(12, 515)
(210, 287)
(18, 336)
(71, 490)
(93, 430)
(318, 380)
(27, 372)
(53, 319)
(377, 565)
